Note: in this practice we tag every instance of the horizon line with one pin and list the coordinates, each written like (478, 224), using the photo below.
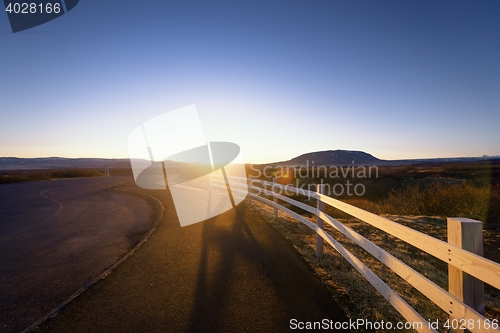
(397, 159)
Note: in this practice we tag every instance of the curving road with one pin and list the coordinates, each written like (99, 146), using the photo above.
(56, 236)
(231, 273)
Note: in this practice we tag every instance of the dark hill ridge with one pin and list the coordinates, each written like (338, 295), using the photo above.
(334, 157)
(352, 157)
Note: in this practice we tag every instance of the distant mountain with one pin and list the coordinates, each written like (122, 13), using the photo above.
(349, 157)
(14, 163)
(333, 157)
(445, 160)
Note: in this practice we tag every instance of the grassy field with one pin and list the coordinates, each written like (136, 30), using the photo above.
(420, 197)
(16, 176)
(455, 189)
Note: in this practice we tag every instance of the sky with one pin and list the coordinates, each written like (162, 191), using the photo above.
(397, 79)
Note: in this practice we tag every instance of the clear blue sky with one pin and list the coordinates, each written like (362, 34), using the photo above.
(397, 79)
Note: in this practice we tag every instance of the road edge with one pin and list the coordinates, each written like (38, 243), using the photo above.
(160, 210)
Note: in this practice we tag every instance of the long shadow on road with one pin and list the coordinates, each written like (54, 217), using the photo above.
(231, 273)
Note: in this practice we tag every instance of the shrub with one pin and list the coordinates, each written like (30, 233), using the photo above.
(438, 199)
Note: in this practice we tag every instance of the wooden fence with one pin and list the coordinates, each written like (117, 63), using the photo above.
(464, 302)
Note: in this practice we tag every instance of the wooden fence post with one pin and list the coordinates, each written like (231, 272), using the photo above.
(320, 206)
(249, 190)
(468, 235)
(275, 199)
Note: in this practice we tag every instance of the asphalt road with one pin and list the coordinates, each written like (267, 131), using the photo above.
(56, 236)
(232, 273)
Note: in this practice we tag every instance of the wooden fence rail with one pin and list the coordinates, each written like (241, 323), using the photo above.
(465, 301)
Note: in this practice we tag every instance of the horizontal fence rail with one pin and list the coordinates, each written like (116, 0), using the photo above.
(473, 264)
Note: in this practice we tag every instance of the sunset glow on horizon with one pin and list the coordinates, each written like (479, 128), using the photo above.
(398, 80)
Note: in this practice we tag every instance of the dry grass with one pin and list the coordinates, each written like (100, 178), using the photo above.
(353, 293)
(17, 176)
